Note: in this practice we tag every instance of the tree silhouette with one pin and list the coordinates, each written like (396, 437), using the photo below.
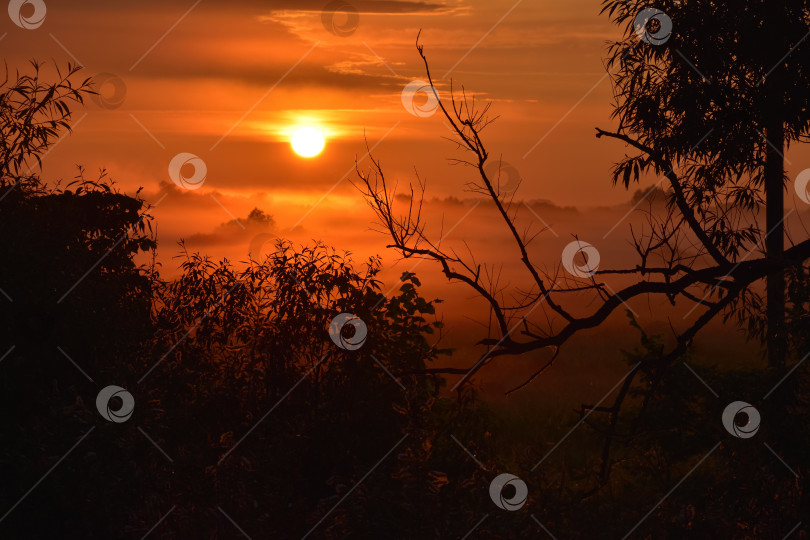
(55, 234)
(247, 412)
(698, 252)
(33, 114)
(722, 98)
(219, 348)
(71, 292)
(245, 341)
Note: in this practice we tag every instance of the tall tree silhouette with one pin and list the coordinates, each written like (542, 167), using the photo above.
(725, 94)
(699, 251)
(70, 288)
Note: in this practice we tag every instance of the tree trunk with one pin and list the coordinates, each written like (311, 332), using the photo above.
(774, 172)
(773, 176)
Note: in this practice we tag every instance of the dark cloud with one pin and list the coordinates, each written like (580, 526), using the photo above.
(368, 6)
(535, 204)
(264, 76)
(234, 231)
(264, 6)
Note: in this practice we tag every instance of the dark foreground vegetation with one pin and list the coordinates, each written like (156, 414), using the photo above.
(249, 420)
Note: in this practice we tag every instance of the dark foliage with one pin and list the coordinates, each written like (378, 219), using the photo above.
(248, 417)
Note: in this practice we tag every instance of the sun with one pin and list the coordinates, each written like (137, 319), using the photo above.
(308, 142)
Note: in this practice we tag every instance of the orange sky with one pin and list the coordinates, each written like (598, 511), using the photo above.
(241, 69)
(230, 81)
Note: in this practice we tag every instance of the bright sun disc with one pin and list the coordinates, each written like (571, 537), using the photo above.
(308, 142)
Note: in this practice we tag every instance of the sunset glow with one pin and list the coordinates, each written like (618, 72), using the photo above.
(405, 269)
(308, 142)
